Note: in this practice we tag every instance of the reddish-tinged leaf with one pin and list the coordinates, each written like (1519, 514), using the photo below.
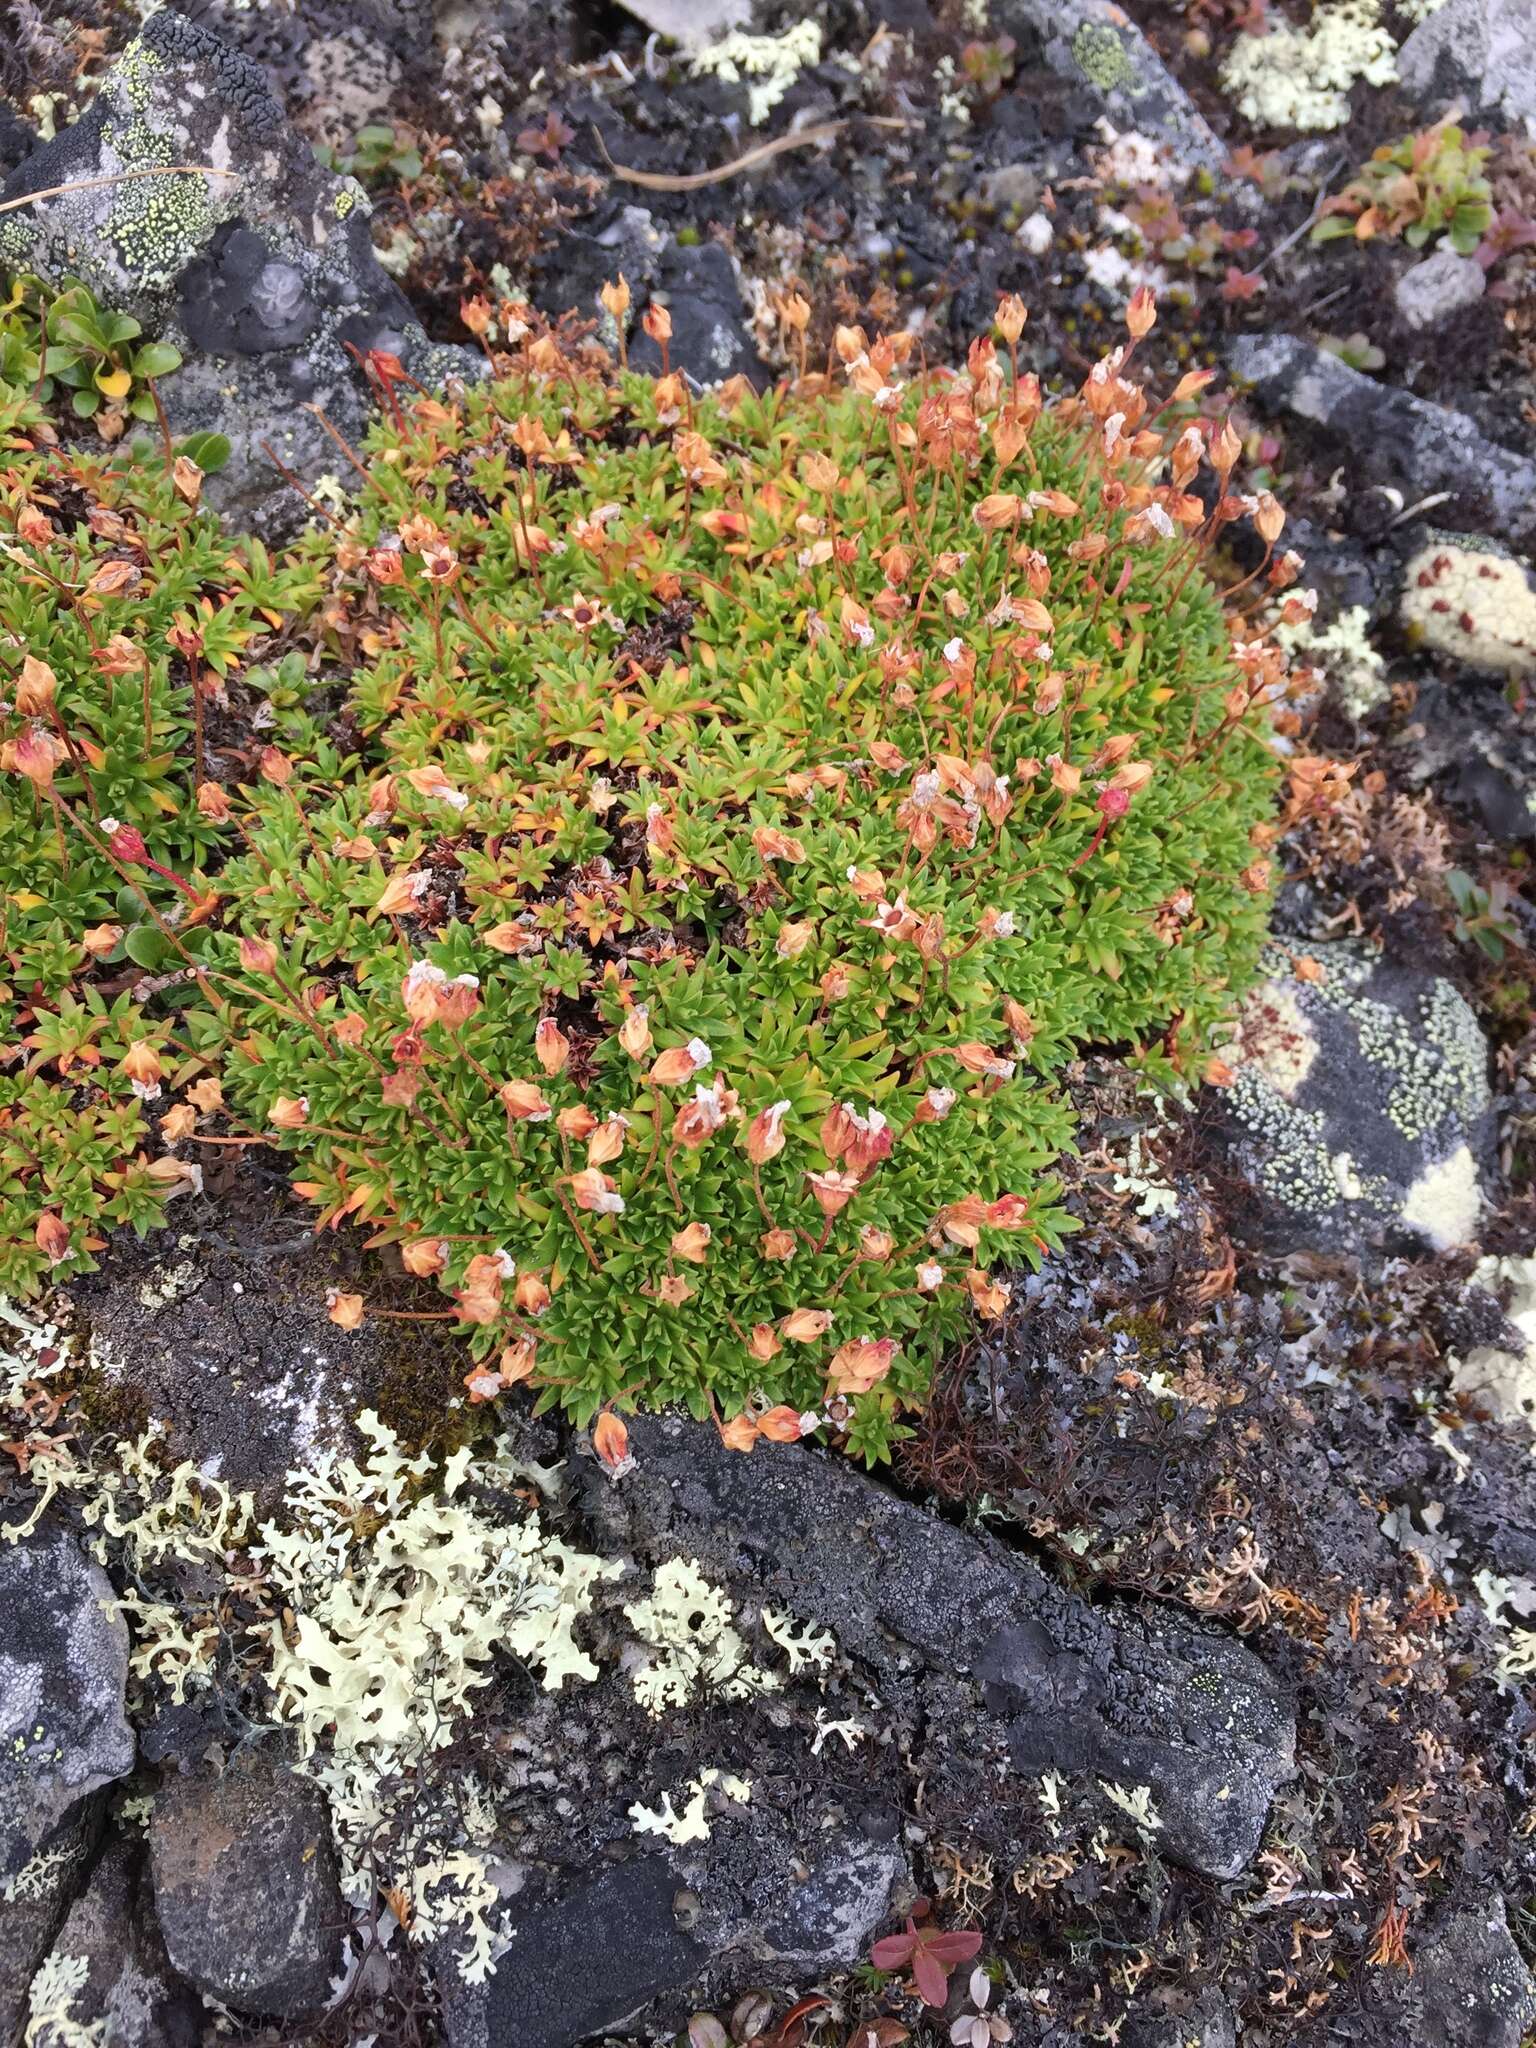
(954, 1948)
(930, 1977)
(894, 1951)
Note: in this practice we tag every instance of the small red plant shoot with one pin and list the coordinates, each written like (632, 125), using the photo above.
(928, 1952)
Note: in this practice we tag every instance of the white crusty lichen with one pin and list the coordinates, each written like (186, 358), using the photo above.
(692, 1822)
(1504, 1381)
(1344, 654)
(1469, 602)
(1301, 77)
(692, 1648)
(770, 64)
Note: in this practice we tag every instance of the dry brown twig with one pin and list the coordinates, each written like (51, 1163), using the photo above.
(694, 181)
(115, 178)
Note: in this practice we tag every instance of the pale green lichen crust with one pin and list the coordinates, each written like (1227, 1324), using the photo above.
(1472, 604)
(396, 1585)
(1433, 1091)
(1104, 60)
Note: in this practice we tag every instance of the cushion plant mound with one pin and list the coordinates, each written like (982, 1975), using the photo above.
(718, 822)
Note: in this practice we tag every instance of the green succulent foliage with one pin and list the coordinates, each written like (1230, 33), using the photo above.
(1429, 185)
(682, 851)
(142, 565)
(72, 1133)
(704, 823)
(62, 344)
(378, 156)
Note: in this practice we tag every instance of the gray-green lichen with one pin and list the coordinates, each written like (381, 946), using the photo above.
(1337, 1144)
(1103, 59)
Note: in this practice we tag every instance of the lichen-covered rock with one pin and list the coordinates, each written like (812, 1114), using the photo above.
(33, 1903)
(1358, 1104)
(1396, 439)
(1470, 1986)
(63, 1668)
(1464, 599)
(111, 1956)
(1095, 45)
(258, 264)
(245, 1887)
(1480, 54)
(1477, 749)
(1434, 290)
(1145, 1702)
(581, 1964)
(1187, 2017)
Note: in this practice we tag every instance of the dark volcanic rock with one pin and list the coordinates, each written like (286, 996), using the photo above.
(709, 334)
(33, 1905)
(1478, 748)
(697, 285)
(259, 266)
(1140, 1700)
(130, 1991)
(63, 1667)
(1396, 439)
(1470, 1986)
(245, 1887)
(581, 1964)
(1188, 2019)
(1359, 1112)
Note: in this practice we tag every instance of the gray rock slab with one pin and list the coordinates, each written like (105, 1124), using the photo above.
(1396, 438)
(245, 1887)
(1138, 1699)
(63, 1669)
(258, 263)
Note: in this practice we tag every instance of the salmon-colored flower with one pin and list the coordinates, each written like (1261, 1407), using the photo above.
(345, 1310)
(141, 1064)
(607, 1141)
(680, 1063)
(764, 1139)
(479, 1293)
(610, 1440)
(692, 1243)
(698, 1120)
(595, 1191)
(805, 1325)
(51, 1236)
(860, 1364)
(423, 1256)
(740, 1433)
(531, 1294)
(289, 1112)
(834, 1190)
(635, 1033)
(780, 1425)
(551, 1047)
(524, 1102)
